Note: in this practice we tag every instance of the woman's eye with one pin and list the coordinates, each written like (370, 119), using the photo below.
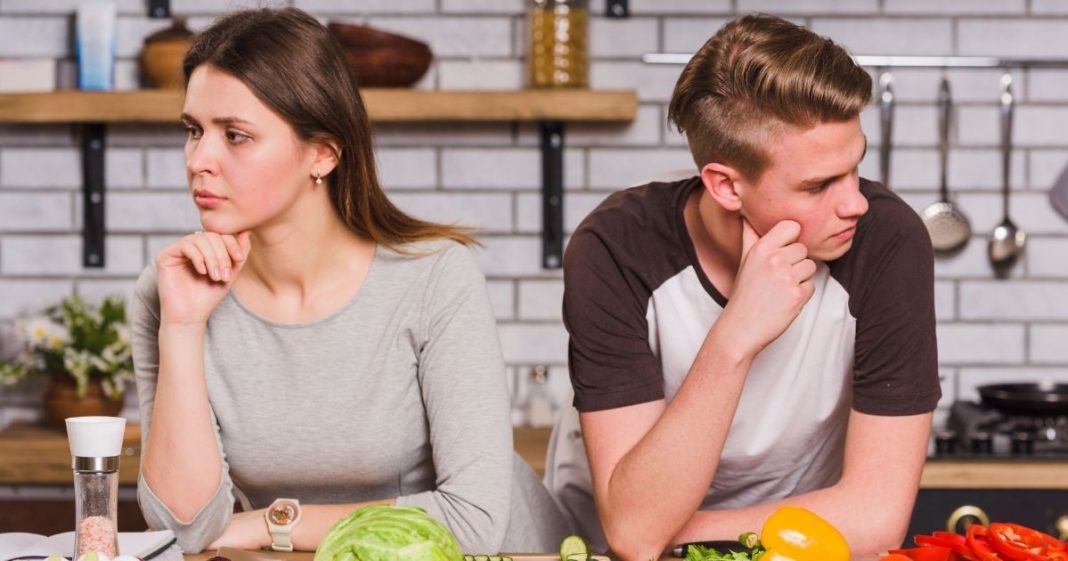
(193, 132)
(236, 137)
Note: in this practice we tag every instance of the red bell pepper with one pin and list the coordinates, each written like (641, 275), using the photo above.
(1020, 543)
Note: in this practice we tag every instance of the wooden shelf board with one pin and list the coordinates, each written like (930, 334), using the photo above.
(383, 105)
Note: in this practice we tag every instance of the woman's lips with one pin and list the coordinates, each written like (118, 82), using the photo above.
(206, 199)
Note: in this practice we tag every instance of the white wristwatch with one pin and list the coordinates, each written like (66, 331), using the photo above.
(282, 516)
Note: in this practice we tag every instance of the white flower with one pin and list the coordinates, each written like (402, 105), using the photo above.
(41, 331)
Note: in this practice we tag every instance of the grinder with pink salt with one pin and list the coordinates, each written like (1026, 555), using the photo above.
(95, 446)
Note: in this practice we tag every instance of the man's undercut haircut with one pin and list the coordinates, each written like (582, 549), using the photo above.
(758, 75)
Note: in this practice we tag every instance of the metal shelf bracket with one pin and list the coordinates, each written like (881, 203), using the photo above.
(93, 190)
(552, 194)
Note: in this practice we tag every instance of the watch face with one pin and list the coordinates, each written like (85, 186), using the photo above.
(283, 514)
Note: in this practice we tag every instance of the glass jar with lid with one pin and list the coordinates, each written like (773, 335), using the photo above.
(557, 46)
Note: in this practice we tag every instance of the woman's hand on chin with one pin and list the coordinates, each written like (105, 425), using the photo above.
(196, 272)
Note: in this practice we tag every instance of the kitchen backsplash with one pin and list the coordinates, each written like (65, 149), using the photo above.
(488, 175)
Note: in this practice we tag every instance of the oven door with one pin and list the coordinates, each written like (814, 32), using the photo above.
(955, 509)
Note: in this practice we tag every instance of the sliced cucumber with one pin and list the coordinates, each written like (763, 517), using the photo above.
(574, 545)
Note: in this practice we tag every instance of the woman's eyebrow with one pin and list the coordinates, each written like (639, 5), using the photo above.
(217, 120)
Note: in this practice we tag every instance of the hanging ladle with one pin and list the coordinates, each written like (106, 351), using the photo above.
(886, 124)
(1006, 241)
(947, 225)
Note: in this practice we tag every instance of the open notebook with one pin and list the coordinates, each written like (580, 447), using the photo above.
(145, 545)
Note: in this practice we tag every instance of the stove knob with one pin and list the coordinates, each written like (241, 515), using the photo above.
(982, 443)
(945, 442)
(965, 516)
(1023, 444)
(1062, 527)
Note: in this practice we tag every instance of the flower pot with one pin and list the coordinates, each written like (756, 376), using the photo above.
(61, 401)
(161, 57)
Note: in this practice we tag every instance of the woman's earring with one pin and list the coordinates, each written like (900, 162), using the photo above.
(318, 177)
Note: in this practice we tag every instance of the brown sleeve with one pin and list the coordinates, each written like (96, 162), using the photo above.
(604, 311)
(896, 354)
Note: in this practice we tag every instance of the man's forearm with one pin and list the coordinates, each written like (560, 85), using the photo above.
(657, 485)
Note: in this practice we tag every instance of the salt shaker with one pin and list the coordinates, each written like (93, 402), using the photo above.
(95, 446)
(538, 407)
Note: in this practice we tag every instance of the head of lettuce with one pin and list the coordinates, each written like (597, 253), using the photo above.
(388, 533)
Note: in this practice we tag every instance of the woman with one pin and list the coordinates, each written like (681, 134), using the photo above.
(314, 342)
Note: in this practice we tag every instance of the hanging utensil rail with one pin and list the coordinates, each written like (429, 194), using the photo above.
(894, 61)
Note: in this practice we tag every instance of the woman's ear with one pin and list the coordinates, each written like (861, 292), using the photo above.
(721, 182)
(326, 156)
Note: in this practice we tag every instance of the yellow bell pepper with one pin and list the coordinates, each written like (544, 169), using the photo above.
(796, 534)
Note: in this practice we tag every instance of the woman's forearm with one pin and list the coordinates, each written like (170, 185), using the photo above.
(181, 462)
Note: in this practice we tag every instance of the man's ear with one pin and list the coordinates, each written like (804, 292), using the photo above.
(722, 183)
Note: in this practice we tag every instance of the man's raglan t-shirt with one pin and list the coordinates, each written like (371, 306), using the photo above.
(638, 307)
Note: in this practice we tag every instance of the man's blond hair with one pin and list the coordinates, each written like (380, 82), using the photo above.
(756, 74)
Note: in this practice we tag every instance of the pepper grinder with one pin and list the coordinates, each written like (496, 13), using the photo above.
(538, 407)
(95, 446)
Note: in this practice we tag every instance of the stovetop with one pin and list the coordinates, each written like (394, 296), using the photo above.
(977, 432)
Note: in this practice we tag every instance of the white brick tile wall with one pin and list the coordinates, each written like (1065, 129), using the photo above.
(30, 295)
(481, 74)
(541, 299)
(62, 256)
(511, 7)
(97, 289)
(137, 212)
(1044, 7)
(957, 7)
(976, 344)
(631, 37)
(45, 37)
(131, 32)
(512, 168)
(534, 343)
(463, 134)
(35, 212)
(966, 85)
(686, 35)
(63, 7)
(810, 6)
(40, 167)
(886, 36)
(912, 169)
(614, 169)
(689, 7)
(488, 212)
(1045, 166)
(945, 300)
(971, 262)
(124, 168)
(35, 135)
(210, 6)
(1047, 344)
(1010, 37)
(165, 168)
(652, 82)
(454, 36)
(407, 168)
(1025, 300)
(644, 130)
(511, 256)
(502, 298)
(1046, 257)
(576, 207)
(366, 6)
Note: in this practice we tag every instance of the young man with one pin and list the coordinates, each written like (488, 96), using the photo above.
(759, 335)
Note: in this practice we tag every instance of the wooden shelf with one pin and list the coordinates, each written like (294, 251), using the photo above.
(383, 105)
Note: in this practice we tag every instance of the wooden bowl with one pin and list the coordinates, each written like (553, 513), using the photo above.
(380, 59)
(161, 57)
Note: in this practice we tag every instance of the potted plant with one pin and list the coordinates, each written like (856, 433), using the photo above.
(85, 351)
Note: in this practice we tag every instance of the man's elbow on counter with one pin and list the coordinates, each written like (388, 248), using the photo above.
(628, 544)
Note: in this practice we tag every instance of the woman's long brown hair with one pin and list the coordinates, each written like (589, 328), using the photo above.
(297, 68)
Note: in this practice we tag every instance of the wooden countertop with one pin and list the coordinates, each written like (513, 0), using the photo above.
(32, 455)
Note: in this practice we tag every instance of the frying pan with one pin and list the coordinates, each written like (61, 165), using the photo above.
(1026, 399)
